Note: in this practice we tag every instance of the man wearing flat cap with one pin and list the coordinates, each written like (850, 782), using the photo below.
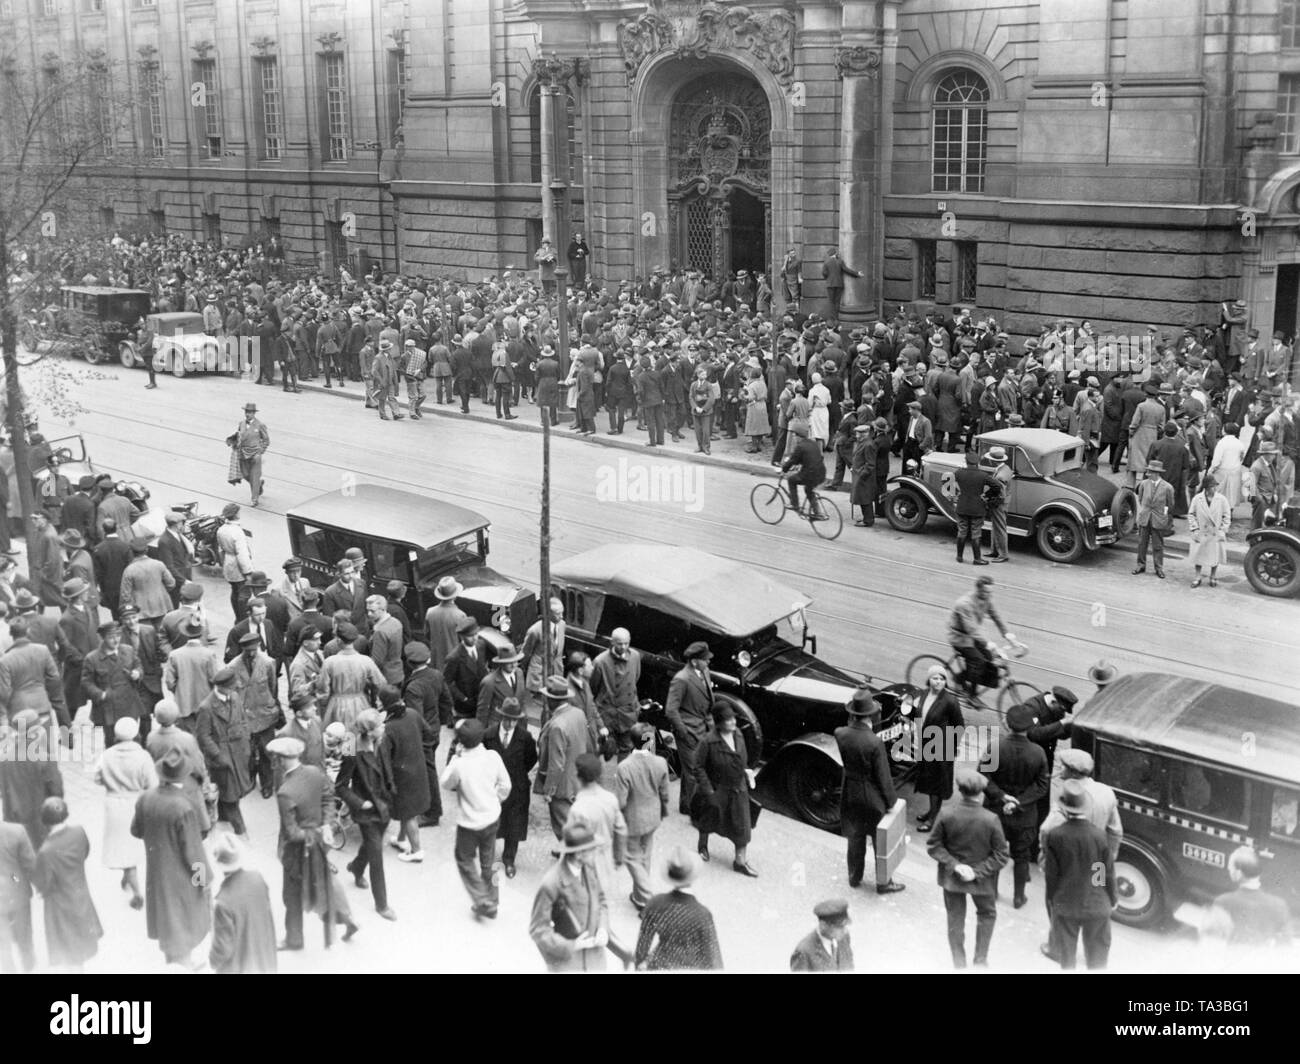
(690, 711)
(108, 676)
(828, 948)
(221, 730)
(867, 789)
(1017, 778)
(1051, 712)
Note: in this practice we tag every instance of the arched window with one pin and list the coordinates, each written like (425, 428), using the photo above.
(960, 132)
(535, 138)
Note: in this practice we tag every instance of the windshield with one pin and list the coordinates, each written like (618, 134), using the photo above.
(787, 630)
(434, 562)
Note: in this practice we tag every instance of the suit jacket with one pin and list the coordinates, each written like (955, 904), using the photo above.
(29, 679)
(495, 689)
(106, 680)
(811, 956)
(79, 513)
(464, 676)
(834, 269)
(641, 786)
(243, 929)
(967, 833)
(564, 738)
(426, 692)
(112, 556)
(17, 865)
(690, 703)
(1155, 503)
(339, 596)
(1021, 773)
(176, 556)
(304, 800)
(78, 636)
(306, 619)
(146, 584)
(46, 556)
(279, 610)
(273, 647)
(868, 791)
(1073, 853)
(386, 648)
(519, 757)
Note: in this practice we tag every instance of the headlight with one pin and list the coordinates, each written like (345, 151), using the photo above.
(743, 659)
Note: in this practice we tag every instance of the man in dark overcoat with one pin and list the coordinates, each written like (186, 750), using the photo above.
(1051, 712)
(405, 734)
(222, 734)
(466, 666)
(1017, 779)
(25, 782)
(108, 677)
(176, 894)
(867, 792)
(1079, 899)
(689, 709)
(426, 692)
(77, 637)
(515, 744)
(1171, 451)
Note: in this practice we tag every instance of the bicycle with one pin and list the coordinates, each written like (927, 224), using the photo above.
(1010, 692)
(339, 820)
(771, 501)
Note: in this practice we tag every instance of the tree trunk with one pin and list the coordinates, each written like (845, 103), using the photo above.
(16, 423)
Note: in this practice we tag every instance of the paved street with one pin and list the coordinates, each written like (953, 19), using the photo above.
(880, 598)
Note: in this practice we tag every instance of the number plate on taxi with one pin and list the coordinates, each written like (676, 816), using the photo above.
(1213, 858)
(1104, 521)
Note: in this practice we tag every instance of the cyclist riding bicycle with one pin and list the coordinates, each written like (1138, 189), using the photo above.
(981, 667)
(810, 471)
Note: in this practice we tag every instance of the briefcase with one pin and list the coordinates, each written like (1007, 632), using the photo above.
(891, 841)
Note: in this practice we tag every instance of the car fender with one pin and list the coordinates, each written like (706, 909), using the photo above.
(818, 742)
(901, 480)
(1278, 535)
(1064, 506)
(1171, 879)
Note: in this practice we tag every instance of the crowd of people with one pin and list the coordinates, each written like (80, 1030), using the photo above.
(333, 703)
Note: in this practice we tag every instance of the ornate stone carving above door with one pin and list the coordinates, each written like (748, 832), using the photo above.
(689, 30)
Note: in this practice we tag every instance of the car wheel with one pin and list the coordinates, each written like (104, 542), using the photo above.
(126, 355)
(906, 510)
(1273, 568)
(812, 783)
(1123, 509)
(178, 363)
(94, 355)
(1140, 887)
(1060, 539)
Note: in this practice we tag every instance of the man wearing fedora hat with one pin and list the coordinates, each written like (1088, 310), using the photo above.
(564, 738)
(221, 731)
(867, 788)
(677, 931)
(77, 636)
(249, 442)
(29, 678)
(79, 511)
(1017, 777)
(503, 681)
(996, 457)
(689, 710)
(78, 562)
(1080, 882)
(440, 621)
(517, 748)
(243, 929)
(1267, 484)
(177, 902)
(828, 947)
(570, 921)
(1144, 429)
(466, 667)
(45, 556)
(1154, 517)
(188, 673)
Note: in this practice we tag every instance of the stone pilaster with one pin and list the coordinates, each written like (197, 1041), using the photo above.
(858, 67)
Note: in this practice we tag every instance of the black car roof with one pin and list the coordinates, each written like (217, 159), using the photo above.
(387, 513)
(1207, 721)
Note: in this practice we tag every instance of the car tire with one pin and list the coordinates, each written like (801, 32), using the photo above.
(1141, 888)
(94, 355)
(1273, 568)
(126, 355)
(1059, 538)
(1123, 510)
(812, 785)
(906, 510)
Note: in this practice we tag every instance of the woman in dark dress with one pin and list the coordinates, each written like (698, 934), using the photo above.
(72, 928)
(405, 733)
(941, 720)
(721, 802)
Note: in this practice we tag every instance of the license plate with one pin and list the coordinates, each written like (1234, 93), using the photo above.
(1213, 858)
(1104, 521)
(890, 733)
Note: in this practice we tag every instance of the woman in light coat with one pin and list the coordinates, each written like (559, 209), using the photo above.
(125, 771)
(757, 423)
(1226, 465)
(819, 418)
(1207, 523)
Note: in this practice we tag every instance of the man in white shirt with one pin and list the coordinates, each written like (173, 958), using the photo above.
(479, 780)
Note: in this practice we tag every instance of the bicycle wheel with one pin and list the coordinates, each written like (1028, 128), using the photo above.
(826, 519)
(919, 667)
(768, 503)
(1013, 692)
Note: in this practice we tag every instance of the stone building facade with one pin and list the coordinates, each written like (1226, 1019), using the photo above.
(1132, 162)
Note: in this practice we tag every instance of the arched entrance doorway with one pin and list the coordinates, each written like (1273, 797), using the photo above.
(719, 181)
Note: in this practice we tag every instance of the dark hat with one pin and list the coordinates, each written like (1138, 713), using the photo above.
(416, 653)
(556, 689)
(862, 704)
(972, 459)
(389, 696)
(292, 563)
(191, 591)
(1102, 672)
(347, 631)
(394, 587)
(249, 638)
(250, 408)
(258, 579)
(683, 866)
(834, 911)
(72, 538)
(1065, 696)
(224, 676)
(25, 601)
(355, 554)
(192, 628)
(1020, 718)
(128, 611)
(510, 709)
(140, 546)
(86, 483)
(174, 766)
(466, 626)
(698, 650)
(1074, 796)
(470, 733)
(301, 698)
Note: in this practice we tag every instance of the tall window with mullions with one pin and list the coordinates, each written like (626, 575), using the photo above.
(209, 116)
(960, 132)
(270, 111)
(334, 78)
(1289, 23)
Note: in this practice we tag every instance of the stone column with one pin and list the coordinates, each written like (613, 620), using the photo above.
(551, 76)
(858, 67)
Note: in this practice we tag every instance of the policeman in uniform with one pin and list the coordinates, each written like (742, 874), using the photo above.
(1051, 723)
(1017, 780)
(867, 791)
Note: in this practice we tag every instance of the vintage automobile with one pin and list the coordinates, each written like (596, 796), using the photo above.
(764, 658)
(417, 540)
(181, 346)
(1052, 498)
(1199, 769)
(89, 321)
(1273, 560)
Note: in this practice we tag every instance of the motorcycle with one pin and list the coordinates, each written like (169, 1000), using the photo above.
(201, 530)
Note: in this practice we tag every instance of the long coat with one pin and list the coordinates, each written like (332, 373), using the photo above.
(519, 758)
(1208, 522)
(934, 774)
(224, 738)
(29, 679)
(72, 927)
(1148, 422)
(147, 584)
(687, 939)
(24, 785)
(125, 771)
(868, 790)
(568, 903)
(367, 776)
(947, 392)
(343, 683)
(106, 680)
(1173, 453)
(403, 745)
(243, 929)
(176, 898)
(721, 784)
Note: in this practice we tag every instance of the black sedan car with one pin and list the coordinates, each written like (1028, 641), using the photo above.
(764, 658)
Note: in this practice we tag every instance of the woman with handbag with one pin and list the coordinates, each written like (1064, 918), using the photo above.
(365, 785)
(1207, 522)
(721, 804)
